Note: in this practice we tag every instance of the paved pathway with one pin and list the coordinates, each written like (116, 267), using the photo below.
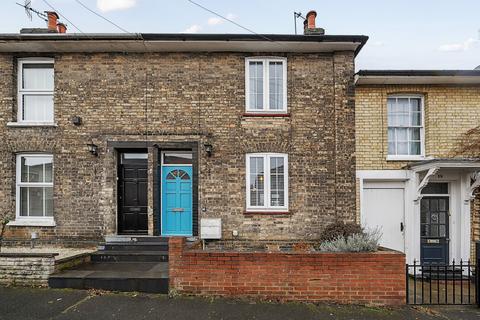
(25, 303)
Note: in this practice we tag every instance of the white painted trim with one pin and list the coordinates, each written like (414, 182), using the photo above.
(31, 124)
(445, 165)
(405, 158)
(266, 85)
(266, 165)
(421, 156)
(21, 92)
(466, 217)
(383, 174)
(432, 171)
(33, 222)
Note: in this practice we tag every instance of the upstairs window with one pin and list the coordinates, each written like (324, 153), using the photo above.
(266, 85)
(405, 126)
(267, 182)
(35, 90)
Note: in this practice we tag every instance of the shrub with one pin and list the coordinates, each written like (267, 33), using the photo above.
(339, 229)
(358, 242)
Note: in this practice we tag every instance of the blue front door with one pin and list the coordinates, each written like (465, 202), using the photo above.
(176, 201)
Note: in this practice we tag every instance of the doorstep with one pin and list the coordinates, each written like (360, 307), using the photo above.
(148, 277)
(129, 263)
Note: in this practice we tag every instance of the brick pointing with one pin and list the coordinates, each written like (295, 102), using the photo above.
(186, 97)
(364, 278)
(450, 111)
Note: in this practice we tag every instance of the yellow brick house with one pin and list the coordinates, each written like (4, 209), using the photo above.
(414, 180)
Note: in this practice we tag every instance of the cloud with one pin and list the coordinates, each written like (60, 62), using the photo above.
(377, 44)
(463, 46)
(112, 5)
(213, 21)
(193, 29)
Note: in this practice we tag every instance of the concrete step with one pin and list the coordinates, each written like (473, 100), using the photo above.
(133, 238)
(127, 276)
(133, 246)
(129, 256)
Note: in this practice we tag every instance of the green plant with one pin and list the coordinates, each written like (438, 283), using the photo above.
(3, 223)
(339, 229)
(366, 241)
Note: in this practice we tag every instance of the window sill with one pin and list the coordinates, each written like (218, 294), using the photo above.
(32, 223)
(406, 158)
(266, 114)
(31, 124)
(267, 213)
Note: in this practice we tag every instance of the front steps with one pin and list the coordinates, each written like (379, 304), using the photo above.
(129, 264)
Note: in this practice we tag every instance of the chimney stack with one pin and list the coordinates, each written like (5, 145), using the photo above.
(61, 27)
(309, 27)
(52, 20)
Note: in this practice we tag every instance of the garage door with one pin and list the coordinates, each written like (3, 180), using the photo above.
(384, 206)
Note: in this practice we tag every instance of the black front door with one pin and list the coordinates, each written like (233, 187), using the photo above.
(434, 230)
(132, 194)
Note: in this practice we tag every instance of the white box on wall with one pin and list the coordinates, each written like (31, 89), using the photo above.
(211, 228)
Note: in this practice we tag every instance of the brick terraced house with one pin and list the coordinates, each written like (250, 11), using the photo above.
(416, 180)
(109, 135)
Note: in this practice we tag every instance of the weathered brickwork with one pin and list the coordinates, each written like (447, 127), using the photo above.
(365, 278)
(26, 270)
(181, 97)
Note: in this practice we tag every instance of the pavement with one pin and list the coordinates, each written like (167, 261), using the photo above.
(34, 303)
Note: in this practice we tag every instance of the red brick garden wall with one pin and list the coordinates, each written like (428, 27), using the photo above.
(363, 278)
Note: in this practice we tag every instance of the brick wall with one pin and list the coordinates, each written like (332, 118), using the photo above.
(26, 269)
(450, 111)
(195, 97)
(365, 278)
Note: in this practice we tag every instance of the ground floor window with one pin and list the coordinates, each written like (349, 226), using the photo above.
(267, 181)
(34, 186)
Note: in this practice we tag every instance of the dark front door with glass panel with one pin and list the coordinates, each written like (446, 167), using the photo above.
(434, 230)
(132, 194)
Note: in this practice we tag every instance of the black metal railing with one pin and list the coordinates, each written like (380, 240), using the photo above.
(448, 284)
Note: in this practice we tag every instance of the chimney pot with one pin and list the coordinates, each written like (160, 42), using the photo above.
(309, 27)
(311, 15)
(52, 20)
(61, 27)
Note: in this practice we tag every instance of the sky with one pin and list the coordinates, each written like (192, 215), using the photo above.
(404, 34)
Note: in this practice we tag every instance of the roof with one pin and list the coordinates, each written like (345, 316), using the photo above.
(369, 77)
(173, 42)
(444, 163)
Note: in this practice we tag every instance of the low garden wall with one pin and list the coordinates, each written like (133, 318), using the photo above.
(33, 269)
(376, 278)
(26, 269)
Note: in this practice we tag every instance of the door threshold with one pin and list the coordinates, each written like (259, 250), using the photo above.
(127, 237)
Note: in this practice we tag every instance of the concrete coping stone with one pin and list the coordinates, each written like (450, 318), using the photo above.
(27, 255)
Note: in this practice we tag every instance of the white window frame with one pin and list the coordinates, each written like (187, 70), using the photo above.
(21, 92)
(266, 84)
(266, 162)
(421, 156)
(31, 220)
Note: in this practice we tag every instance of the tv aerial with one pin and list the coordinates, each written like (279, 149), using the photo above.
(27, 5)
(297, 15)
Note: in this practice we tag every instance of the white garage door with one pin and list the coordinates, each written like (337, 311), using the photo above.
(384, 206)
